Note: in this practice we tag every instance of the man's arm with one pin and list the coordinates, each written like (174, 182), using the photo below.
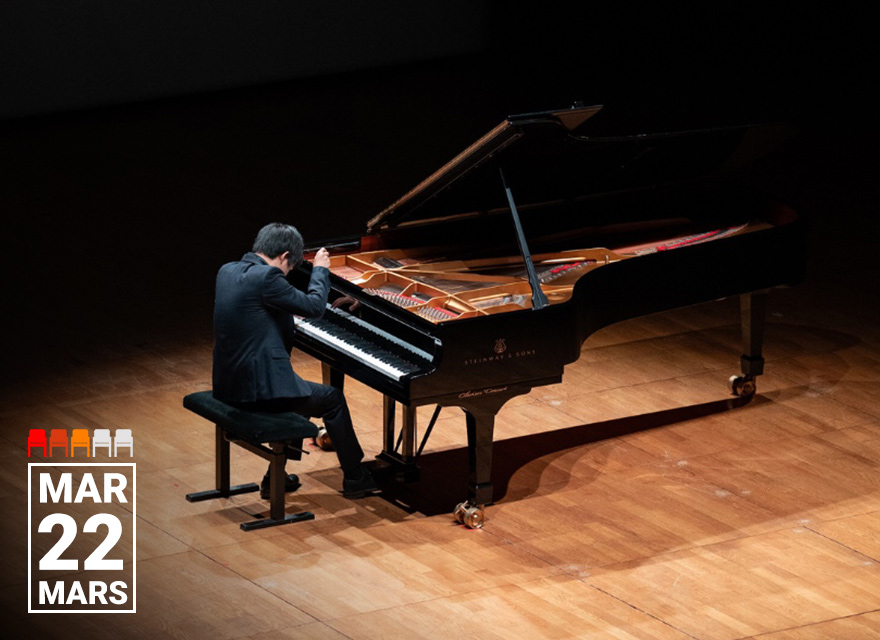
(278, 292)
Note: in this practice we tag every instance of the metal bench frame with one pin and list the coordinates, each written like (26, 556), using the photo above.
(277, 452)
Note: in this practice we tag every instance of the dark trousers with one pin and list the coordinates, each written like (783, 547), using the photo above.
(327, 403)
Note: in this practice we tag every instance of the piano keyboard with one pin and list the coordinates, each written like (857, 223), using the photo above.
(365, 343)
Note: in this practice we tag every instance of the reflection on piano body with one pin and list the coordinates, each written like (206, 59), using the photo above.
(484, 281)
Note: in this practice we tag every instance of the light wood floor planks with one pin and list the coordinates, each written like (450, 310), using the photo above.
(639, 501)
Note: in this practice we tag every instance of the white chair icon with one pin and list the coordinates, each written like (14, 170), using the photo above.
(101, 438)
(123, 439)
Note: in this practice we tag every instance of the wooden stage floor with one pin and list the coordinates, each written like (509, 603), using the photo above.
(639, 500)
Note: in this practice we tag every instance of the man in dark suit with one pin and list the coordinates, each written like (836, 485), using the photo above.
(253, 335)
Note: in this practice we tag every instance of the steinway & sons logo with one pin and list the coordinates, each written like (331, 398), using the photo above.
(500, 352)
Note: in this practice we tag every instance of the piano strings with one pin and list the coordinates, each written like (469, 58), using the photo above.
(439, 289)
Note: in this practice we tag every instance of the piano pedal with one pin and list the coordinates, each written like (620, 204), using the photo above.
(322, 440)
(470, 515)
(743, 386)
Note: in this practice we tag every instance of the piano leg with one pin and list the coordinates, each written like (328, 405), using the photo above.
(388, 410)
(332, 377)
(753, 310)
(480, 412)
(401, 463)
(480, 435)
(480, 416)
(408, 433)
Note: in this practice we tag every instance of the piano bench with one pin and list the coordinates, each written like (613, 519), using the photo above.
(276, 437)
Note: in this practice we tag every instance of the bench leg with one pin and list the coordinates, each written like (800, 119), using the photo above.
(277, 477)
(221, 474)
(276, 481)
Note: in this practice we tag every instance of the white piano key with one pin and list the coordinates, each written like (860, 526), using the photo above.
(309, 328)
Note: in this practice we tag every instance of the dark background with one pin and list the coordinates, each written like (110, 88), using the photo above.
(143, 146)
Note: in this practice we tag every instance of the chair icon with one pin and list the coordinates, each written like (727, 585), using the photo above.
(37, 438)
(58, 438)
(123, 439)
(101, 438)
(79, 438)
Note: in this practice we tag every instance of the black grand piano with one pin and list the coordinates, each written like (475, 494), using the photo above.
(484, 280)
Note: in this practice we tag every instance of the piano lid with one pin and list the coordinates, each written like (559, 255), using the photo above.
(546, 161)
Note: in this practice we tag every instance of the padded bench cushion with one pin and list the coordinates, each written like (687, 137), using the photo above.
(252, 426)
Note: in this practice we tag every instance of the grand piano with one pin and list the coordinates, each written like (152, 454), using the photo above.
(484, 280)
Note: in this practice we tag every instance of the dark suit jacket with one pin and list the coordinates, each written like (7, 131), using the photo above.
(253, 329)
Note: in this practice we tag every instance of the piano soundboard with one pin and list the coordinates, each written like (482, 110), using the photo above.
(440, 290)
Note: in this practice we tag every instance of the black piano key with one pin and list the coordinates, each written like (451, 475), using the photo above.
(340, 327)
(350, 333)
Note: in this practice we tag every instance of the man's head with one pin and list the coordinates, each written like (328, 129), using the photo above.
(281, 244)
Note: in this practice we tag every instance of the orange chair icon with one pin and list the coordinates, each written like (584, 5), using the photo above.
(79, 438)
(58, 438)
(37, 438)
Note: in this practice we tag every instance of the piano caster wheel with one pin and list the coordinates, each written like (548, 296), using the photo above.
(744, 386)
(322, 440)
(469, 515)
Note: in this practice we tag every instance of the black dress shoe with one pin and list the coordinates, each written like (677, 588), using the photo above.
(359, 484)
(291, 484)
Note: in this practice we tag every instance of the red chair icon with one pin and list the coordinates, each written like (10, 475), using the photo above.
(79, 438)
(37, 438)
(58, 438)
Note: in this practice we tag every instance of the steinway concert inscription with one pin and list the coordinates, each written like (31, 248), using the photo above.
(484, 280)
(481, 392)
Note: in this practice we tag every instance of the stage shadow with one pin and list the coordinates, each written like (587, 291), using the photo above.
(444, 474)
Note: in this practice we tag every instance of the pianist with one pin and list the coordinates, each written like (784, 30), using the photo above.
(253, 333)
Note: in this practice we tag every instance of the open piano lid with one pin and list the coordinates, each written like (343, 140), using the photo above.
(546, 162)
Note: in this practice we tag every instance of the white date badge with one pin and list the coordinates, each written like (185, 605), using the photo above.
(81, 538)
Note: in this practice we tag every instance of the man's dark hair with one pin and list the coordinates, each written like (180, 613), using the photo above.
(276, 238)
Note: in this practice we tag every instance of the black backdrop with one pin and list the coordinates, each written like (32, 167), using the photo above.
(118, 206)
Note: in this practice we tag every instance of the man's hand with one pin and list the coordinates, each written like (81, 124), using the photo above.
(346, 301)
(322, 258)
